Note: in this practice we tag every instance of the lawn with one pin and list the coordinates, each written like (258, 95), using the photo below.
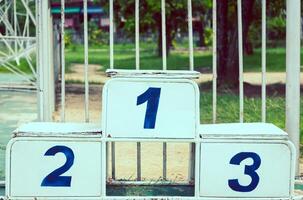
(124, 58)
(228, 109)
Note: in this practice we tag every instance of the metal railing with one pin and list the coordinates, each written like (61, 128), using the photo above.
(293, 66)
(22, 46)
(17, 42)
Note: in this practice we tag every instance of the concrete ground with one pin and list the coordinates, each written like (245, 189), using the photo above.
(16, 108)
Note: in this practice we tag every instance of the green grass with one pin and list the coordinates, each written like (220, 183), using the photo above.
(275, 61)
(23, 65)
(228, 109)
(124, 58)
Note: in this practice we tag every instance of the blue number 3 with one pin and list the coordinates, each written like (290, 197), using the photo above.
(54, 179)
(249, 170)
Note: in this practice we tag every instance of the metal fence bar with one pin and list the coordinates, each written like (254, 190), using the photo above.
(24, 31)
(138, 161)
(40, 105)
(191, 166)
(62, 61)
(263, 60)
(240, 47)
(164, 59)
(197, 168)
(20, 72)
(7, 44)
(111, 34)
(44, 66)
(86, 62)
(27, 24)
(5, 8)
(51, 61)
(164, 67)
(137, 18)
(111, 65)
(214, 60)
(191, 67)
(164, 161)
(113, 151)
(190, 35)
(15, 24)
(9, 37)
(11, 69)
(107, 159)
(6, 20)
(293, 18)
(28, 10)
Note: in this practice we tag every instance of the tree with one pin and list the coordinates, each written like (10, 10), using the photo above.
(227, 32)
(150, 17)
(202, 11)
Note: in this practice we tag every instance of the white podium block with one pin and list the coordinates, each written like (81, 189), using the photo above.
(246, 161)
(150, 108)
(49, 160)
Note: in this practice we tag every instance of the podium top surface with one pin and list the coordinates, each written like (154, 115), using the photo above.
(242, 131)
(206, 131)
(54, 129)
(176, 74)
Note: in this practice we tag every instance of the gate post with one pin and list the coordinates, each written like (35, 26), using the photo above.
(293, 22)
(45, 67)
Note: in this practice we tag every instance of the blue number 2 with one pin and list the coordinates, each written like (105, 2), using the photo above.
(152, 96)
(54, 179)
(249, 170)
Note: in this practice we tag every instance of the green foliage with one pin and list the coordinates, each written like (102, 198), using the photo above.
(96, 36)
(150, 16)
(208, 36)
(68, 39)
(275, 22)
(277, 26)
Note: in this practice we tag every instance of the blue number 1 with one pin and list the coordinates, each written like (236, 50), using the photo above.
(151, 96)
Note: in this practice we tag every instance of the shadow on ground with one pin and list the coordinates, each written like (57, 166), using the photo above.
(150, 190)
(250, 90)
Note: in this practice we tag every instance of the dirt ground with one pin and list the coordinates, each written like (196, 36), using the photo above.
(97, 76)
(178, 154)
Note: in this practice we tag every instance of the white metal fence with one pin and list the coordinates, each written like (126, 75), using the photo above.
(16, 41)
(46, 79)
